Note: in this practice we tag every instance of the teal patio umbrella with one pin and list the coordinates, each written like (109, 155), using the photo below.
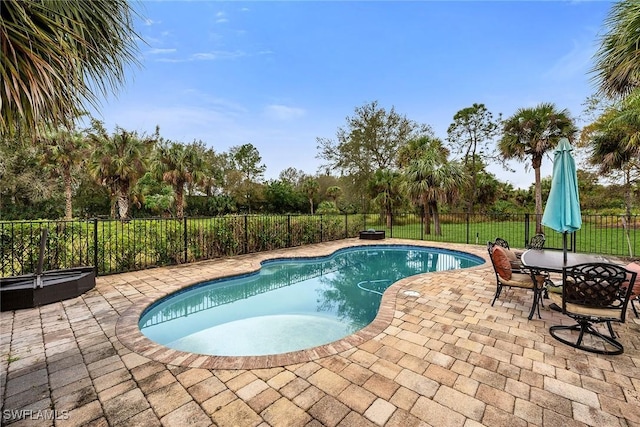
(562, 212)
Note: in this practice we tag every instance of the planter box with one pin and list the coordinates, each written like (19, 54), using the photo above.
(372, 235)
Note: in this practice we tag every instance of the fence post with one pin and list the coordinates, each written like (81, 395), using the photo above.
(346, 226)
(321, 229)
(246, 234)
(391, 225)
(95, 246)
(421, 222)
(526, 230)
(289, 230)
(467, 215)
(186, 243)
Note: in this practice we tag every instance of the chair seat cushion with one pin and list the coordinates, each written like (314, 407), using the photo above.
(522, 280)
(610, 313)
(554, 287)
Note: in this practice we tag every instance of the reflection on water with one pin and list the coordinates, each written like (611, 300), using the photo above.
(290, 304)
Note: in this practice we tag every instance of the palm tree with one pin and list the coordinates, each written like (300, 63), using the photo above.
(614, 139)
(430, 179)
(532, 132)
(310, 187)
(118, 161)
(617, 61)
(334, 192)
(179, 165)
(64, 151)
(57, 55)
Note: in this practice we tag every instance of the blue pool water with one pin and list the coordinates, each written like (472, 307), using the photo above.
(290, 304)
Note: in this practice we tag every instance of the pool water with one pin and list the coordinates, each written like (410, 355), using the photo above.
(290, 304)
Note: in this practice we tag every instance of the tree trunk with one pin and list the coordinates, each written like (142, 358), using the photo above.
(436, 218)
(474, 183)
(179, 201)
(68, 191)
(628, 195)
(537, 161)
(311, 204)
(427, 217)
(123, 206)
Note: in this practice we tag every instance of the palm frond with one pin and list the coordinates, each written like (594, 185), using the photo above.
(56, 56)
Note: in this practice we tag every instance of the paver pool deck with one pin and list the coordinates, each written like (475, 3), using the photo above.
(443, 358)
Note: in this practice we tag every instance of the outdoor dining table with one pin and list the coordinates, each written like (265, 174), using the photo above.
(553, 260)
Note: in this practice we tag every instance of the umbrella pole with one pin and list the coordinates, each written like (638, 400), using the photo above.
(564, 247)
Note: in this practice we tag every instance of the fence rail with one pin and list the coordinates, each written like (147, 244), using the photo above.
(114, 246)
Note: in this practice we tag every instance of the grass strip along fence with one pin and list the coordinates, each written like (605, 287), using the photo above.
(114, 246)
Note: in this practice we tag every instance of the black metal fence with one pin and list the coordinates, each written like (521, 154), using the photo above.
(114, 246)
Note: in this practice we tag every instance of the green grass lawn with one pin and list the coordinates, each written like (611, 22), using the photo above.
(591, 238)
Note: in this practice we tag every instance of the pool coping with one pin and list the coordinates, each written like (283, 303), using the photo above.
(129, 334)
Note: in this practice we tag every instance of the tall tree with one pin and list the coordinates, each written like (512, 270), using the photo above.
(617, 65)
(614, 139)
(118, 161)
(369, 142)
(470, 134)
(246, 160)
(22, 182)
(57, 55)
(281, 197)
(310, 188)
(431, 179)
(532, 132)
(292, 176)
(179, 165)
(64, 151)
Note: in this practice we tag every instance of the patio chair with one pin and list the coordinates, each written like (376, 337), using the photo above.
(507, 277)
(635, 289)
(536, 242)
(502, 242)
(593, 294)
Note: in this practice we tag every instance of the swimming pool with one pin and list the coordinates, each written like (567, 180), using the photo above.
(290, 304)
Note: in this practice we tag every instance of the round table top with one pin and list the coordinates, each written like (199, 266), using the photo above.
(553, 260)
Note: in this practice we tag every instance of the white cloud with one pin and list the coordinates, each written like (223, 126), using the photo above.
(229, 107)
(221, 18)
(170, 60)
(217, 55)
(149, 22)
(158, 51)
(282, 112)
(574, 63)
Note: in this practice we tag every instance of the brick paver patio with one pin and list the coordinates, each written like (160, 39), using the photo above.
(443, 358)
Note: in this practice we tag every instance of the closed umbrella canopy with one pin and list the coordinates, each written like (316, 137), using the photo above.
(562, 212)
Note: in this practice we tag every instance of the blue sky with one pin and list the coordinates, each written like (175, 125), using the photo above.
(280, 74)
